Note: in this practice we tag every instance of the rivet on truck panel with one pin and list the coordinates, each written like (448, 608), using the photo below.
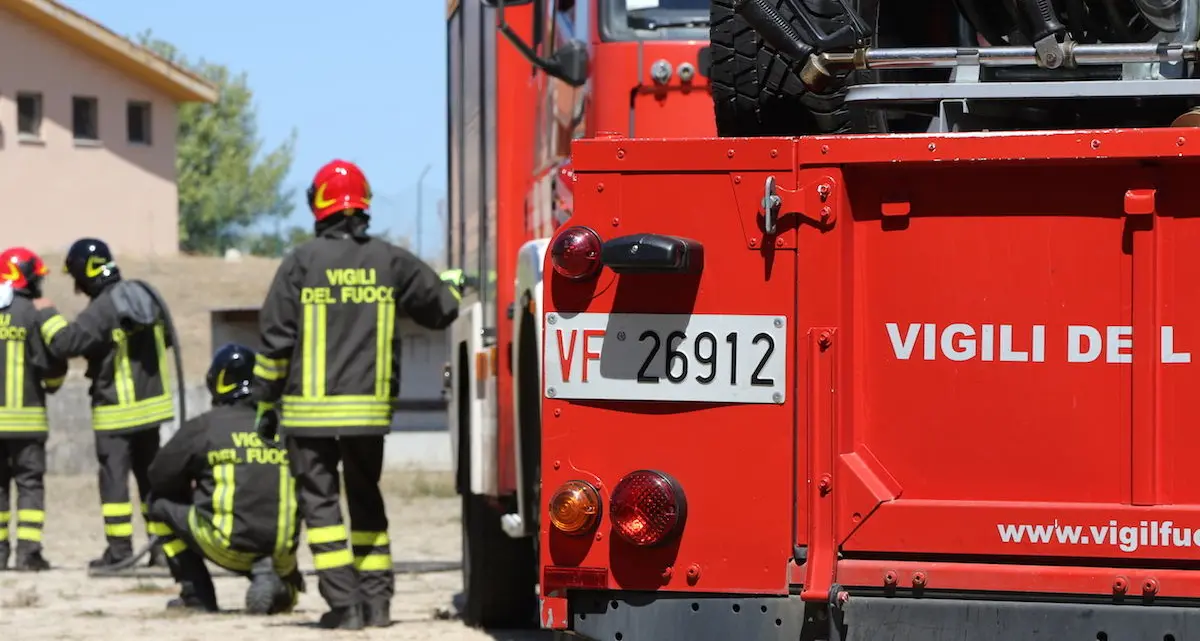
(890, 577)
(918, 579)
(693, 573)
(1140, 202)
(1120, 585)
(1150, 586)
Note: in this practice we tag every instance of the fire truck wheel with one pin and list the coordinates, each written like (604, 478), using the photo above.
(756, 90)
(499, 572)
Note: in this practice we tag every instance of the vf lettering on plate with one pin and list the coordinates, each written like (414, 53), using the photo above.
(1026, 344)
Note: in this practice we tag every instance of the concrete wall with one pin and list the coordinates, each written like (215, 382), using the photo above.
(120, 191)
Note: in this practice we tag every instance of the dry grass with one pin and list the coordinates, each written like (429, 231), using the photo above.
(192, 286)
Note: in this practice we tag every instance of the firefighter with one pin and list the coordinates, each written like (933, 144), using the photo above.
(330, 360)
(228, 497)
(29, 374)
(122, 335)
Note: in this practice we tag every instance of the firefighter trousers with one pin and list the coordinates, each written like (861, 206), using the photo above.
(355, 566)
(189, 542)
(118, 455)
(23, 463)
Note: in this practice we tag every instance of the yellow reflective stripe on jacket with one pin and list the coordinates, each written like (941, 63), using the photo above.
(345, 410)
(53, 383)
(270, 369)
(385, 324)
(122, 369)
(14, 374)
(158, 409)
(285, 524)
(52, 326)
(314, 350)
(222, 503)
(206, 537)
(23, 419)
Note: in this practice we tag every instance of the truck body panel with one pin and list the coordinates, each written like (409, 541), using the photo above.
(986, 381)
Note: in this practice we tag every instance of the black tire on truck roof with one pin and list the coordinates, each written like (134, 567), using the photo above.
(756, 90)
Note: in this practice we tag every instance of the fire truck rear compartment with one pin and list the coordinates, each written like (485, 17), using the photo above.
(990, 342)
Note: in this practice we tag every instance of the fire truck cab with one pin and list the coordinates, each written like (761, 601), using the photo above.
(526, 77)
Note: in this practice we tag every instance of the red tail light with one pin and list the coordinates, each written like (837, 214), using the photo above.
(575, 253)
(647, 507)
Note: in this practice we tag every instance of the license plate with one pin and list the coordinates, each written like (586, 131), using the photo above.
(712, 358)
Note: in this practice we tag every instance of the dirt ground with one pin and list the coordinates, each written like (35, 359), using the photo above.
(191, 285)
(65, 604)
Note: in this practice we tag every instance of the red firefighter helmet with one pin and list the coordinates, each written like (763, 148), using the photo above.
(339, 187)
(22, 267)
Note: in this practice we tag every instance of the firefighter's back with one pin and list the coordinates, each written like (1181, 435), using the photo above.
(244, 487)
(343, 374)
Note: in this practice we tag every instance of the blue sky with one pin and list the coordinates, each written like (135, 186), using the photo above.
(359, 79)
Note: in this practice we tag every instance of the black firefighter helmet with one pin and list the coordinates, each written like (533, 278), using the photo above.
(231, 374)
(90, 263)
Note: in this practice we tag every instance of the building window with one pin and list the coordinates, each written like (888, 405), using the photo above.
(29, 116)
(85, 118)
(137, 118)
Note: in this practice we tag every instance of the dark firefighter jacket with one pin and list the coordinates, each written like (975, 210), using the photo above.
(122, 335)
(330, 354)
(242, 494)
(29, 373)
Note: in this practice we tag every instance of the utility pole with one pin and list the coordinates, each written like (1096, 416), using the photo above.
(420, 212)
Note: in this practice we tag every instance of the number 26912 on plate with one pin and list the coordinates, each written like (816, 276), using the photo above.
(709, 358)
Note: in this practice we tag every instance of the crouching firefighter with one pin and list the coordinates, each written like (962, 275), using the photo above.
(332, 360)
(28, 375)
(228, 496)
(124, 334)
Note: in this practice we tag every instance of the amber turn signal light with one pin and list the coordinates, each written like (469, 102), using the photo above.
(575, 507)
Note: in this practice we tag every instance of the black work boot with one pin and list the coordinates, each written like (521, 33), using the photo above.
(31, 562)
(191, 599)
(377, 613)
(348, 617)
(110, 557)
(265, 587)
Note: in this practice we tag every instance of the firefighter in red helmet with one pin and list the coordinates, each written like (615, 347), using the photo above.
(330, 362)
(29, 374)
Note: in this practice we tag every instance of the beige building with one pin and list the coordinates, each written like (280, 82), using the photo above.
(87, 133)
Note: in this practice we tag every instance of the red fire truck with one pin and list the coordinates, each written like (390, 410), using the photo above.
(526, 78)
(922, 378)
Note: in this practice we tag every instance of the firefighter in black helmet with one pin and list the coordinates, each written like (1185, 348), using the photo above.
(229, 497)
(331, 359)
(122, 335)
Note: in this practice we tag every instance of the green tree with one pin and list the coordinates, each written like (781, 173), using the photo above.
(226, 182)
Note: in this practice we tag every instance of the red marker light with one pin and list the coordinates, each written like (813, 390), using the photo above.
(647, 507)
(575, 253)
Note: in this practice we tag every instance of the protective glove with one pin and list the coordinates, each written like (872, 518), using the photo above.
(267, 425)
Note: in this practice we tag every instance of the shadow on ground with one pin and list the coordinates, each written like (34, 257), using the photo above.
(457, 602)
